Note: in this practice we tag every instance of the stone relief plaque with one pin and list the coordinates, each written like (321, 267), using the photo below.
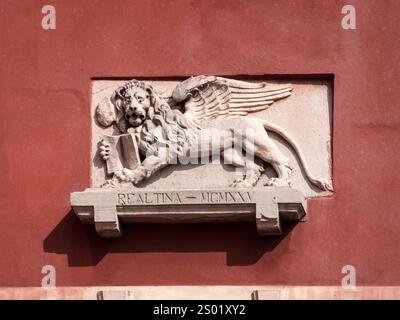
(206, 148)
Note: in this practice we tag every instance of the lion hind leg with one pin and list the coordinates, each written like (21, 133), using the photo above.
(248, 170)
(284, 172)
(234, 157)
(253, 174)
(267, 150)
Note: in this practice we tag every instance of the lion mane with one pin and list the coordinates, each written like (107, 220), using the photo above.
(177, 131)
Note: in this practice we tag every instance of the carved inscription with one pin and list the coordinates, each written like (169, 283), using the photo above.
(165, 198)
(226, 197)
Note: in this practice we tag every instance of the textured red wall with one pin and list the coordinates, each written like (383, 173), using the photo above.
(45, 135)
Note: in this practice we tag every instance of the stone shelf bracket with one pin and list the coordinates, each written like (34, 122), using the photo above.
(108, 208)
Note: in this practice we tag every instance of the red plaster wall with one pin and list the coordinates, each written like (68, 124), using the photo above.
(45, 79)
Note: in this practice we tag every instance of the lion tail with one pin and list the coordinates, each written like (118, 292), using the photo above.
(323, 184)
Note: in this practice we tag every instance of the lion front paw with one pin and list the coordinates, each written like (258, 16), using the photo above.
(278, 182)
(240, 183)
(135, 176)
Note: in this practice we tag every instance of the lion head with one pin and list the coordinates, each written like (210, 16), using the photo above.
(137, 104)
(132, 104)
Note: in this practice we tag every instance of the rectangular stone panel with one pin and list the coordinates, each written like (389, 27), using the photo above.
(306, 115)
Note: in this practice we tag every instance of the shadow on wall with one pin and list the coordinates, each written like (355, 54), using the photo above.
(84, 247)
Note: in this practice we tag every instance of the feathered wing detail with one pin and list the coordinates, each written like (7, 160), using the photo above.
(209, 97)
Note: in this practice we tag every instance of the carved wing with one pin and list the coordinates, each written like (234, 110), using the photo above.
(210, 97)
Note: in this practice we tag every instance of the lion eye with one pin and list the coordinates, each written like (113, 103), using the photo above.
(140, 100)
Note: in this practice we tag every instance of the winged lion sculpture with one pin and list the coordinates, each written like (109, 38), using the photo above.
(180, 127)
